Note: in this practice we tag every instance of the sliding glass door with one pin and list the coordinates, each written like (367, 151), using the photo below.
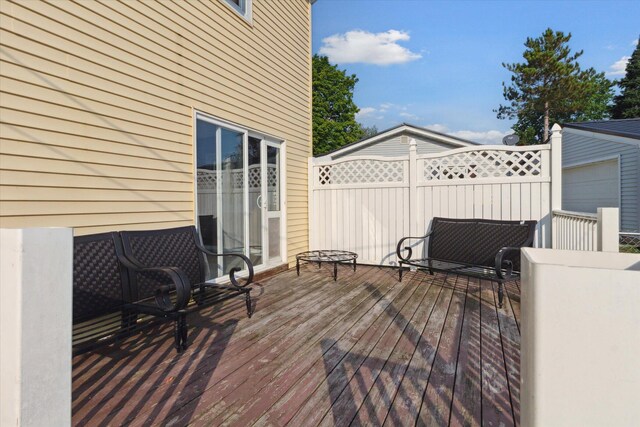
(238, 194)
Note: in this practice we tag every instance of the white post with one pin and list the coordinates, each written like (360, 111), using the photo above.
(36, 282)
(556, 178)
(608, 230)
(313, 227)
(413, 187)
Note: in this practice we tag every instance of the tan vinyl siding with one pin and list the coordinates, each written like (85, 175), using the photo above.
(97, 102)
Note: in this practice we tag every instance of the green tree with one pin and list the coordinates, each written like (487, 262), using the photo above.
(334, 112)
(626, 105)
(369, 131)
(549, 86)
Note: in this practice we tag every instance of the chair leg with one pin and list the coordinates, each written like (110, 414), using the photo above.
(247, 298)
(400, 273)
(500, 293)
(180, 334)
(184, 331)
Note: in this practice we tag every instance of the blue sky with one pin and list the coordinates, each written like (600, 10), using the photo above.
(438, 64)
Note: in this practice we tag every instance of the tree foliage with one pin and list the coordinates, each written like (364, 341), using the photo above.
(550, 86)
(627, 104)
(369, 131)
(334, 122)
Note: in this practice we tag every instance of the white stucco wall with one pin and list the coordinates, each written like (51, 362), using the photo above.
(36, 280)
(580, 338)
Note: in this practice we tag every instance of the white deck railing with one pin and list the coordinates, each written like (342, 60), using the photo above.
(581, 231)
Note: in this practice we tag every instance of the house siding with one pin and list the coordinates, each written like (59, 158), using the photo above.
(397, 145)
(97, 103)
(580, 148)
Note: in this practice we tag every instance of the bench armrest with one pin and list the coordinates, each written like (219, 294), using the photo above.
(179, 283)
(399, 248)
(234, 270)
(505, 264)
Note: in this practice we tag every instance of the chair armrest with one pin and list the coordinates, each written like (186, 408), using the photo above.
(408, 248)
(234, 270)
(180, 282)
(505, 264)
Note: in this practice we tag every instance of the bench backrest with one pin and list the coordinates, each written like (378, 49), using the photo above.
(477, 241)
(171, 247)
(100, 282)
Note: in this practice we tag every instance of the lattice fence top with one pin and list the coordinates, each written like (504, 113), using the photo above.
(361, 172)
(483, 164)
(207, 179)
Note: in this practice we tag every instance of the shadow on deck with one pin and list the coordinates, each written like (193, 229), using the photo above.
(365, 350)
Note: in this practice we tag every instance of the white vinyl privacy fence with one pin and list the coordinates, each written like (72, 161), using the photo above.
(367, 204)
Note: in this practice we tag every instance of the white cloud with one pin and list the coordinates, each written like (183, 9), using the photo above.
(635, 42)
(365, 112)
(409, 116)
(488, 137)
(482, 137)
(369, 48)
(438, 128)
(618, 68)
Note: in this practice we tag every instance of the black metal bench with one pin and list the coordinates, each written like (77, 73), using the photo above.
(124, 280)
(487, 249)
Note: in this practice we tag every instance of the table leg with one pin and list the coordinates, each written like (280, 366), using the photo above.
(354, 265)
(298, 266)
(335, 271)
(319, 264)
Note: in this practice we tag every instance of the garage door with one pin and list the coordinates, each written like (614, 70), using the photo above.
(588, 187)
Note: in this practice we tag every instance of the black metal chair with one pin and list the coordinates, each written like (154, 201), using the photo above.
(487, 249)
(106, 304)
(179, 250)
(119, 276)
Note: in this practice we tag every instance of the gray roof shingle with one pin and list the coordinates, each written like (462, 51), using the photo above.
(629, 128)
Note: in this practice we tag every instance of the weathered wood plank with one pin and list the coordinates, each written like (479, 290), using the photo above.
(510, 336)
(241, 406)
(366, 353)
(204, 354)
(336, 376)
(374, 409)
(333, 352)
(304, 320)
(345, 408)
(125, 361)
(496, 402)
(406, 405)
(436, 403)
(467, 397)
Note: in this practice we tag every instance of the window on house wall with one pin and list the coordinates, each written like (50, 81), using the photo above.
(243, 7)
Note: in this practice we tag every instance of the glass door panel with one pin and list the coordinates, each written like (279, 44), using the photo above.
(255, 174)
(206, 188)
(274, 215)
(232, 181)
(238, 195)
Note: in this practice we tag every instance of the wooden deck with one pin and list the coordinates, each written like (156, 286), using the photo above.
(365, 350)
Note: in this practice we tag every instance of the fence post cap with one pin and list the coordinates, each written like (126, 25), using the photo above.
(556, 128)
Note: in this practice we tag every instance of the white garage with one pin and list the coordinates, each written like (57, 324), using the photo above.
(601, 168)
(589, 186)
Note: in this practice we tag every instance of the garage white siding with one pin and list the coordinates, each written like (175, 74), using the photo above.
(398, 145)
(586, 188)
(583, 147)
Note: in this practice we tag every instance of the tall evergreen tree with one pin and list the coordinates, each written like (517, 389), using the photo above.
(334, 112)
(627, 104)
(549, 86)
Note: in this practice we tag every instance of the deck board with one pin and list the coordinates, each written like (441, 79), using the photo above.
(365, 350)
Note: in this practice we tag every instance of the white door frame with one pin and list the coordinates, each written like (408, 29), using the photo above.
(266, 140)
